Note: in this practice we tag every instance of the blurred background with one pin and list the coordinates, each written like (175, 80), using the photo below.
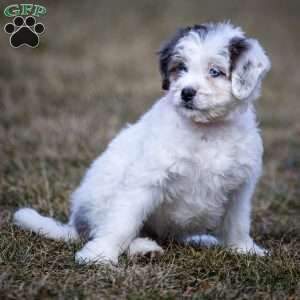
(96, 70)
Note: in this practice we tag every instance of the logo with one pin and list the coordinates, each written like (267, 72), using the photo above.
(24, 30)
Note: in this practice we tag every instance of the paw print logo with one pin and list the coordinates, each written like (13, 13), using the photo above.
(24, 32)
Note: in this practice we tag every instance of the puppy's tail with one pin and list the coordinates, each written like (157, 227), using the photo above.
(30, 219)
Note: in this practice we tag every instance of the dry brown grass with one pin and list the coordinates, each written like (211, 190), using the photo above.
(61, 103)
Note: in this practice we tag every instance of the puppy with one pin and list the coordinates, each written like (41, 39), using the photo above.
(187, 169)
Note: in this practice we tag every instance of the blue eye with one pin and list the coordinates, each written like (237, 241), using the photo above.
(214, 72)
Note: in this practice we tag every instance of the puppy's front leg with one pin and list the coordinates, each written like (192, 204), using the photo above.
(122, 220)
(235, 231)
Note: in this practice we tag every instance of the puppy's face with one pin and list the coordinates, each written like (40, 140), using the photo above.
(209, 70)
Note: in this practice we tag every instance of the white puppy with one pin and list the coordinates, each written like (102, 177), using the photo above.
(188, 167)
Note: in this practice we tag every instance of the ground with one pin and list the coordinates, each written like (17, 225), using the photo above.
(94, 71)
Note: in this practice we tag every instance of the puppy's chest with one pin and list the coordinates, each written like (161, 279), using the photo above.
(206, 175)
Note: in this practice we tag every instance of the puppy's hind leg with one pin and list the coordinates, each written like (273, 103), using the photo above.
(123, 219)
(30, 219)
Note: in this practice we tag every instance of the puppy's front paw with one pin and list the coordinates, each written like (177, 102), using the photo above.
(250, 248)
(93, 253)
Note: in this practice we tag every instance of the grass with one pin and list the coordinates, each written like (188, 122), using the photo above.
(61, 103)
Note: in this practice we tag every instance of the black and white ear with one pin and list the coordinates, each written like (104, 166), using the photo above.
(249, 64)
(165, 54)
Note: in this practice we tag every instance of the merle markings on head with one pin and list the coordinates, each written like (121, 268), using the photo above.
(211, 69)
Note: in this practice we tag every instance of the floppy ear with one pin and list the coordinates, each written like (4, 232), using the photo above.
(249, 64)
(165, 54)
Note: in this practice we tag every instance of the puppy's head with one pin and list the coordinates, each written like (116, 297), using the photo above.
(209, 70)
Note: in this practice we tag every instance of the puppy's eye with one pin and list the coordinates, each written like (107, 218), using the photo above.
(181, 67)
(215, 72)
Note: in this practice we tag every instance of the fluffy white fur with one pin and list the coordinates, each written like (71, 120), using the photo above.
(177, 172)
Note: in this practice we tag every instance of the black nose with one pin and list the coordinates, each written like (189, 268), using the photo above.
(187, 94)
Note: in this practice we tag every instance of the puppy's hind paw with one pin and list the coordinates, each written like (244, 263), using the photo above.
(201, 240)
(144, 247)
